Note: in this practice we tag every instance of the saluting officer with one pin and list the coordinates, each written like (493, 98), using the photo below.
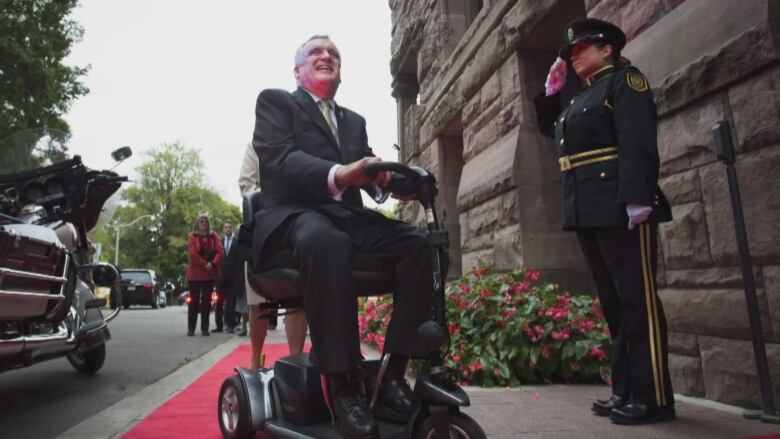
(606, 139)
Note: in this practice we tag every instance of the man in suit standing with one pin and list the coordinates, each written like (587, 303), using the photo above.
(227, 284)
(312, 156)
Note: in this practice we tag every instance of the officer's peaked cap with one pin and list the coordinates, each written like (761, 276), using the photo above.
(584, 30)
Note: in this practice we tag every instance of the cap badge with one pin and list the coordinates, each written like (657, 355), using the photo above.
(570, 34)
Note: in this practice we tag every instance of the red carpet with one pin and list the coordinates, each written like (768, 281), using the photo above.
(193, 412)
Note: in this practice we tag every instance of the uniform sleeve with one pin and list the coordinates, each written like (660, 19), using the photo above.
(274, 143)
(547, 110)
(635, 126)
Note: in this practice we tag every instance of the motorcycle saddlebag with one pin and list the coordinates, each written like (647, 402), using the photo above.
(33, 272)
(300, 390)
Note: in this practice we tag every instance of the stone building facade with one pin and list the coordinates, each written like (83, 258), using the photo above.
(464, 76)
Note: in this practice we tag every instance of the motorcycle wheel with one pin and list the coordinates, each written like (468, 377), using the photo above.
(90, 361)
(462, 426)
(233, 410)
(155, 305)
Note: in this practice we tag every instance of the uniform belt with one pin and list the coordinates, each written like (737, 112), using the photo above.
(586, 158)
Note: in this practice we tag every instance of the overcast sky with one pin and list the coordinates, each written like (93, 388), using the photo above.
(190, 70)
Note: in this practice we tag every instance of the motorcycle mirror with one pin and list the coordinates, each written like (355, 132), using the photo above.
(121, 154)
(103, 275)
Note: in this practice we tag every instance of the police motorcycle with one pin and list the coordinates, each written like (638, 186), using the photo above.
(48, 203)
(286, 400)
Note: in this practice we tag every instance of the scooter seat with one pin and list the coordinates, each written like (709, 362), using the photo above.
(279, 280)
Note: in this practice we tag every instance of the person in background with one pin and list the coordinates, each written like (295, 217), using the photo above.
(295, 324)
(225, 308)
(606, 139)
(205, 254)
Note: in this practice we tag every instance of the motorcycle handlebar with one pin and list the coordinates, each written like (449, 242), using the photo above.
(372, 169)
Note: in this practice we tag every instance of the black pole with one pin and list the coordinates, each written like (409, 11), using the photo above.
(724, 147)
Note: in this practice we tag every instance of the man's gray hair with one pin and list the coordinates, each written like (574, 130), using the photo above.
(299, 55)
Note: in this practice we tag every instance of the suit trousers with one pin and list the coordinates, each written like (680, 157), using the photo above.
(623, 265)
(324, 253)
(200, 293)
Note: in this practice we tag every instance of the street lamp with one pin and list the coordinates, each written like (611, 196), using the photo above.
(118, 230)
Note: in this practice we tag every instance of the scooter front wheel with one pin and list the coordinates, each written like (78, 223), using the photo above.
(233, 410)
(462, 426)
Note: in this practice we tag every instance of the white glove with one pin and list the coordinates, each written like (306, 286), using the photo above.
(556, 78)
(637, 214)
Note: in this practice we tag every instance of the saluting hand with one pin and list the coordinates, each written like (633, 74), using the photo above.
(556, 78)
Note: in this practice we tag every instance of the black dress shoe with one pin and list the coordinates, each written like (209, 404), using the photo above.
(205, 333)
(353, 418)
(190, 333)
(603, 407)
(639, 414)
(394, 402)
(216, 330)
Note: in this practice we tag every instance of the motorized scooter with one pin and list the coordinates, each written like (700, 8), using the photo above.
(286, 400)
(48, 307)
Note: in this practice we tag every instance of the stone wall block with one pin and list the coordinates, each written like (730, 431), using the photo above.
(684, 239)
(477, 258)
(772, 284)
(683, 343)
(631, 17)
(685, 138)
(755, 105)
(729, 371)
(472, 109)
(714, 277)
(484, 217)
(482, 66)
(510, 79)
(491, 91)
(485, 117)
(757, 175)
(686, 374)
(682, 187)
(481, 138)
(489, 173)
(720, 313)
(508, 248)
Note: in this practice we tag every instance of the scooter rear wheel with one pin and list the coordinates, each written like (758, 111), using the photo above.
(233, 410)
(462, 426)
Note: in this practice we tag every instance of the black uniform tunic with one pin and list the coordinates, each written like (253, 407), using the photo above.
(606, 139)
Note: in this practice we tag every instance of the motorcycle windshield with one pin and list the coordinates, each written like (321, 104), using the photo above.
(32, 150)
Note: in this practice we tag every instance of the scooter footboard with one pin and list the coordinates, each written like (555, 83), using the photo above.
(257, 385)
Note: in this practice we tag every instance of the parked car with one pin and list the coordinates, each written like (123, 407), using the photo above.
(139, 287)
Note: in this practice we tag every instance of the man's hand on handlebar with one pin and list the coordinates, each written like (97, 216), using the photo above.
(353, 174)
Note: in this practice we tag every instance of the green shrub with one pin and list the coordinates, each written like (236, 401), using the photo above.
(509, 329)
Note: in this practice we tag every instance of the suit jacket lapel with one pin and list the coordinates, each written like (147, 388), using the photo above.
(310, 107)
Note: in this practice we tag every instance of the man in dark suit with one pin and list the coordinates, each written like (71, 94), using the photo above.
(312, 156)
(228, 284)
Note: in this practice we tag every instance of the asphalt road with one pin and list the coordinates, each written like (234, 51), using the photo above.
(46, 399)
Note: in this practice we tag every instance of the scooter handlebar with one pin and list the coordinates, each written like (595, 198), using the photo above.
(372, 169)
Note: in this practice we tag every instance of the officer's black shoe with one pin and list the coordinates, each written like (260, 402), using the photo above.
(639, 414)
(205, 333)
(394, 402)
(350, 408)
(190, 333)
(603, 407)
(217, 330)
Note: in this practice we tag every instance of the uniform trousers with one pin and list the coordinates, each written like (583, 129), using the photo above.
(324, 253)
(623, 265)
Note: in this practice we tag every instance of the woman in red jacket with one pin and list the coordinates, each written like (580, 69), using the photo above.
(206, 253)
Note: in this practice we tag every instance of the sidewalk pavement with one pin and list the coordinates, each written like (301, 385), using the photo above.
(532, 412)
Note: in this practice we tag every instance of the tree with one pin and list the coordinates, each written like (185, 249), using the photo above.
(171, 188)
(36, 88)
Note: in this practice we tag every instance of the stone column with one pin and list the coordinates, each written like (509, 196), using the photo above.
(405, 89)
